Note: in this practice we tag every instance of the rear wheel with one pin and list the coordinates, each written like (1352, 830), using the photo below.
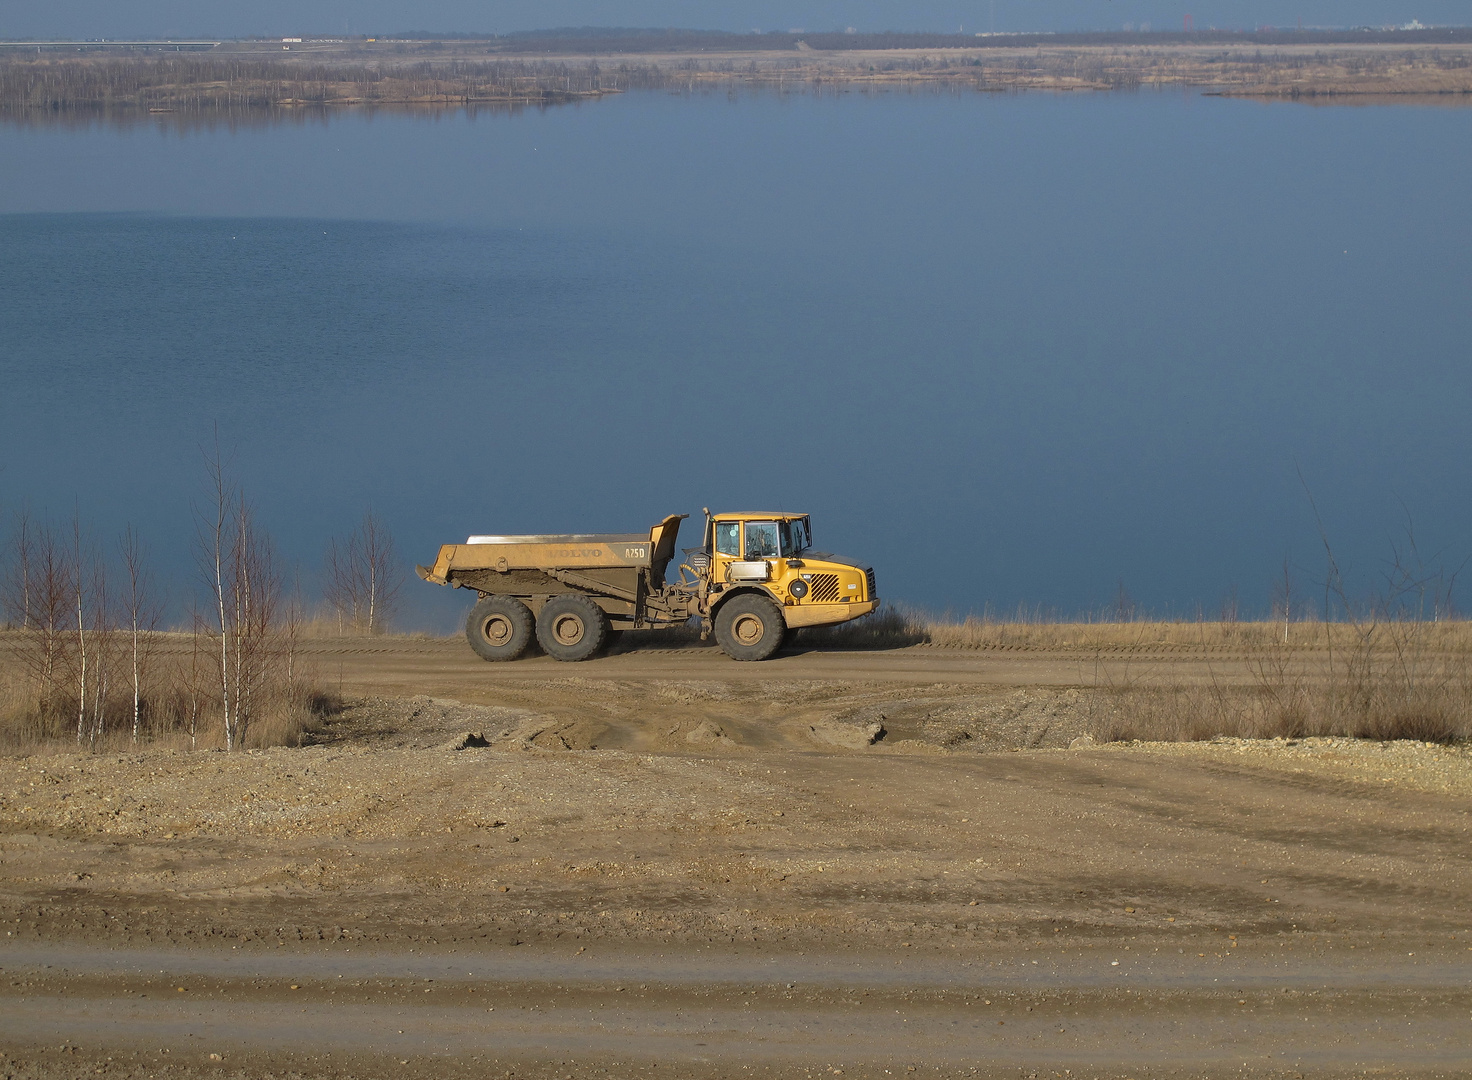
(750, 627)
(499, 628)
(571, 627)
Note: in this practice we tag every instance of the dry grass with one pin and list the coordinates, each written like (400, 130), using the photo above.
(1437, 713)
(178, 710)
(292, 718)
(1386, 680)
(1393, 679)
(20, 726)
(888, 628)
(288, 719)
(987, 633)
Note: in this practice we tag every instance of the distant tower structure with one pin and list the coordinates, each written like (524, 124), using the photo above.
(1188, 24)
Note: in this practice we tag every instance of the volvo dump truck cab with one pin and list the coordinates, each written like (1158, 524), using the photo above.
(754, 577)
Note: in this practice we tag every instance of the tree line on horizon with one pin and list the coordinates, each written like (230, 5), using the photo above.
(31, 82)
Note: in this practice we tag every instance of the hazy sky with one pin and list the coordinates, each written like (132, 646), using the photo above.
(149, 18)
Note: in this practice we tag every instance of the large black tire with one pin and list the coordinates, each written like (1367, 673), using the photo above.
(499, 628)
(571, 628)
(750, 627)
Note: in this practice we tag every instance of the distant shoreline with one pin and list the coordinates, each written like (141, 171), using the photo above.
(237, 79)
(617, 41)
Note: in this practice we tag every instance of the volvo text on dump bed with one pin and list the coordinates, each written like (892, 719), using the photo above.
(754, 577)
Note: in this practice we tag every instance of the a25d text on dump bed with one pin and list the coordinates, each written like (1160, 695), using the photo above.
(754, 577)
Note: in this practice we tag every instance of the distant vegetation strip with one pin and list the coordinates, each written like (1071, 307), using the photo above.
(192, 81)
(240, 83)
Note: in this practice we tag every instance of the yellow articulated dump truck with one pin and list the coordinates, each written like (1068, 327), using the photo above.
(754, 577)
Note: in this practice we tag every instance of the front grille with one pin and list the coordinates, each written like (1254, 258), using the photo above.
(873, 590)
(824, 588)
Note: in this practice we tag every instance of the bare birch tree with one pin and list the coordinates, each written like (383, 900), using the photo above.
(293, 617)
(238, 564)
(194, 676)
(79, 610)
(212, 524)
(37, 600)
(93, 624)
(256, 597)
(1284, 599)
(143, 612)
(363, 576)
(16, 597)
(104, 643)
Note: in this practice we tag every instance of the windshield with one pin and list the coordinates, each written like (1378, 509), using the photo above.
(761, 539)
(794, 536)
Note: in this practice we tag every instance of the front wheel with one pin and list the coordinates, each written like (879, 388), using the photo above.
(750, 627)
(571, 627)
(499, 628)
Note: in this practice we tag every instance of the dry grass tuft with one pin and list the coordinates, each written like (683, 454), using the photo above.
(1384, 679)
(292, 718)
(888, 628)
(179, 709)
(1401, 682)
(20, 725)
(990, 633)
(1194, 714)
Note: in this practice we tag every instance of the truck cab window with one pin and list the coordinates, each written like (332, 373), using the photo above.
(761, 539)
(794, 538)
(728, 535)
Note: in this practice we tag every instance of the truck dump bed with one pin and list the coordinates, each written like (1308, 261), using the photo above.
(578, 551)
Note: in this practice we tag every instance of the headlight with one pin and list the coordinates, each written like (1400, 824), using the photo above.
(798, 588)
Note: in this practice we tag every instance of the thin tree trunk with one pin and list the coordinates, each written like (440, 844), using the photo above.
(24, 546)
(194, 681)
(243, 615)
(137, 710)
(81, 659)
(219, 586)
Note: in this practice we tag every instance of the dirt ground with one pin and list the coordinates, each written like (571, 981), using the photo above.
(664, 863)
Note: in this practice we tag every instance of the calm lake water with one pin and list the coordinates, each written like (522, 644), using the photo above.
(1012, 349)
